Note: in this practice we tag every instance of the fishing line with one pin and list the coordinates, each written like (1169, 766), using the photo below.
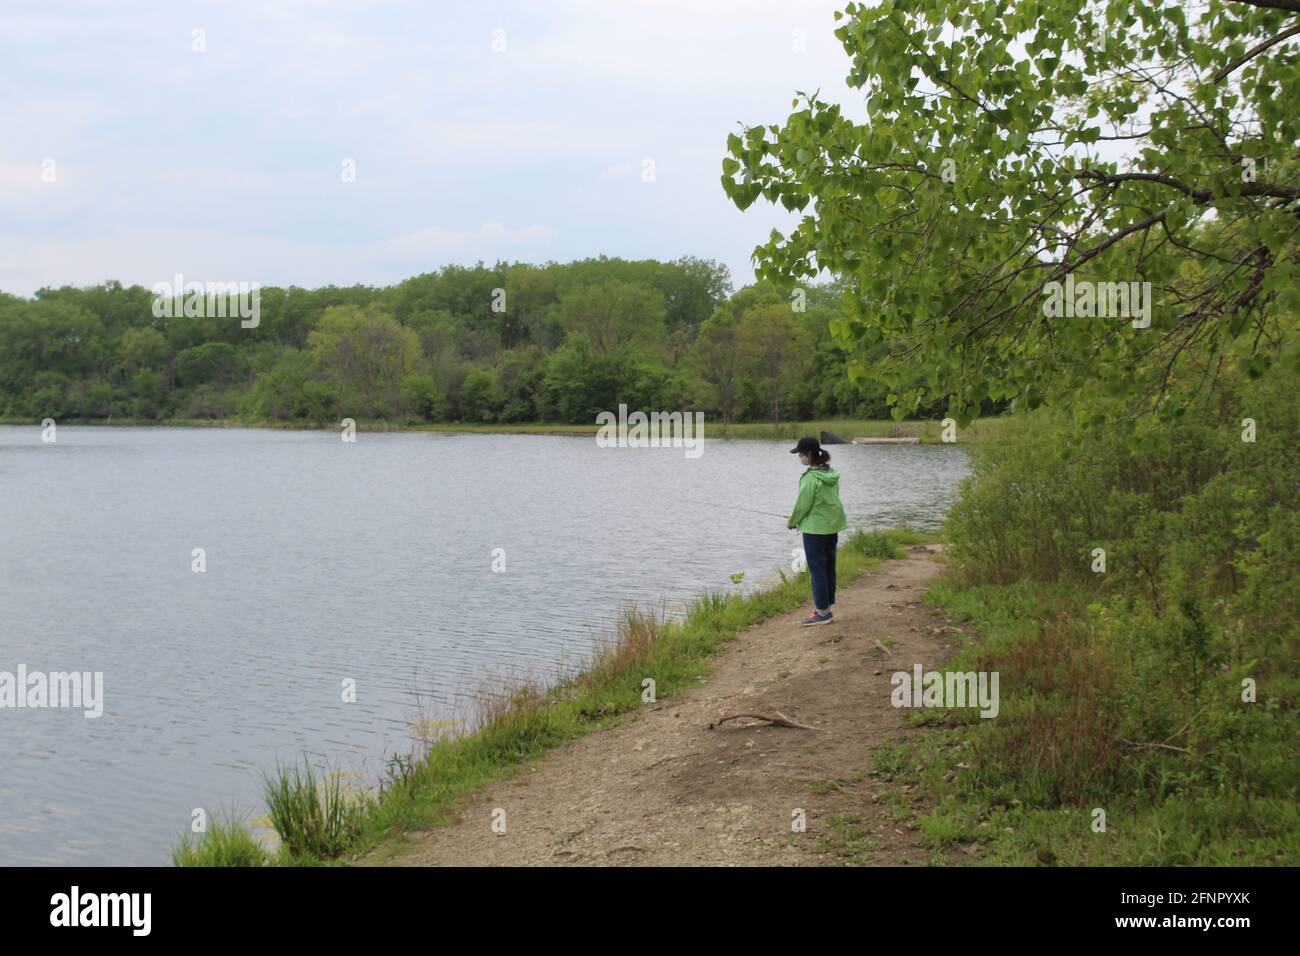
(712, 504)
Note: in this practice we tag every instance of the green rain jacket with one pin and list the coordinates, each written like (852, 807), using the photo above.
(817, 509)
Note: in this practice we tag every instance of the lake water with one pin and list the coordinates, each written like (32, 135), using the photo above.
(327, 562)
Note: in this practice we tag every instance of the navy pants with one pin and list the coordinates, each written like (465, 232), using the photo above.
(819, 549)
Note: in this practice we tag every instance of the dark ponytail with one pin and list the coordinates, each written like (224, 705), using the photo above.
(817, 455)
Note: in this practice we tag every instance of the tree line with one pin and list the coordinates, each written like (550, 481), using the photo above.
(507, 343)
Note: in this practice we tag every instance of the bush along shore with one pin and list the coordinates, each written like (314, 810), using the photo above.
(320, 821)
(1136, 592)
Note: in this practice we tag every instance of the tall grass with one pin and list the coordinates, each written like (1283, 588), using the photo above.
(315, 817)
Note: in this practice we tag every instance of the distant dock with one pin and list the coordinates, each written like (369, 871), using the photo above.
(914, 440)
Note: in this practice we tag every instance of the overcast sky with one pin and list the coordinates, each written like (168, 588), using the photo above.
(228, 164)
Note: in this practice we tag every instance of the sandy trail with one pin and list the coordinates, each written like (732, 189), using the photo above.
(665, 789)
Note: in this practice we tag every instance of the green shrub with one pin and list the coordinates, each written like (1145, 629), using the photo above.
(1126, 688)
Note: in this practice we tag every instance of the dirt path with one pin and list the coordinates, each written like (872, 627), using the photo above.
(664, 789)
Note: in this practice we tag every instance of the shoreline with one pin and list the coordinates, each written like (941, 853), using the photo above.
(785, 723)
(514, 725)
(924, 432)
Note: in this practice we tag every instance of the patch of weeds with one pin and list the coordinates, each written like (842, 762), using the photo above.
(848, 839)
(825, 786)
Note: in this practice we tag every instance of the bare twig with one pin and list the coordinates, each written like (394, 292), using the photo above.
(1137, 743)
(777, 718)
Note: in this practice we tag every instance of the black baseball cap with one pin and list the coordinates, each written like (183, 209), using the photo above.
(806, 444)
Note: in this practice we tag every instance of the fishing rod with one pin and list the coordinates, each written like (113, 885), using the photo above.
(712, 504)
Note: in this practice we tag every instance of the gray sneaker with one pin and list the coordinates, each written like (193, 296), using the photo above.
(817, 618)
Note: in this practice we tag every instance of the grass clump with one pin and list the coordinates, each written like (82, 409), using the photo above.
(872, 544)
(224, 843)
(315, 817)
(884, 545)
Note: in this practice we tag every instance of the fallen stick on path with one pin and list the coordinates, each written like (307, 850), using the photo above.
(778, 718)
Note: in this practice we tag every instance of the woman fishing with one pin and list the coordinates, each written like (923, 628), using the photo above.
(819, 516)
